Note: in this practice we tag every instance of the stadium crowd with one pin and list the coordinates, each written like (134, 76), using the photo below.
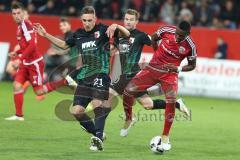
(206, 13)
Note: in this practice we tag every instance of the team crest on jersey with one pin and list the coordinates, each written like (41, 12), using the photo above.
(131, 40)
(97, 34)
(181, 49)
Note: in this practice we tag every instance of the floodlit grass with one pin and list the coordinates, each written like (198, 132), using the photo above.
(212, 133)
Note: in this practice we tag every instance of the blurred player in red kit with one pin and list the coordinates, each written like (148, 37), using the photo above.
(30, 62)
(13, 64)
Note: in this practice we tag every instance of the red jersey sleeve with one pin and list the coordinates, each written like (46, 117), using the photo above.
(29, 35)
(193, 51)
(165, 29)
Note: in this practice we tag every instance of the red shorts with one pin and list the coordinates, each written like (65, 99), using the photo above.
(150, 76)
(32, 73)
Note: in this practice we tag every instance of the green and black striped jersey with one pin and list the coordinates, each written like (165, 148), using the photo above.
(130, 50)
(73, 55)
(93, 46)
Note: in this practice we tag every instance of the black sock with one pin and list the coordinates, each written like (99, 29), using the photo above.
(177, 105)
(161, 104)
(87, 123)
(101, 114)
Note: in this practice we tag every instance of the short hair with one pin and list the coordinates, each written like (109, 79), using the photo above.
(64, 19)
(133, 12)
(17, 5)
(88, 10)
(185, 26)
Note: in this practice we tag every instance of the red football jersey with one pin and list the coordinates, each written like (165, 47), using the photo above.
(27, 39)
(169, 51)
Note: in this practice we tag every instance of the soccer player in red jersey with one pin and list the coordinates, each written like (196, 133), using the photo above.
(30, 62)
(13, 65)
(175, 45)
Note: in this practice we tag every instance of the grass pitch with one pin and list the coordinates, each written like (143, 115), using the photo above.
(211, 133)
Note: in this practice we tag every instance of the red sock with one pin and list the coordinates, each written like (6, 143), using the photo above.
(51, 86)
(128, 102)
(169, 118)
(18, 101)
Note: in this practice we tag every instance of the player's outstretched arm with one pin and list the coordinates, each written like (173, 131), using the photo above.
(155, 38)
(123, 32)
(58, 42)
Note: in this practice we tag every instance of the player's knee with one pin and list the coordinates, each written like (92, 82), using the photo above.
(112, 93)
(130, 88)
(146, 102)
(147, 105)
(17, 86)
(97, 103)
(77, 110)
(9, 70)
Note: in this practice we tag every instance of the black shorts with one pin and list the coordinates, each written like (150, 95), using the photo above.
(120, 84)
(93, 87)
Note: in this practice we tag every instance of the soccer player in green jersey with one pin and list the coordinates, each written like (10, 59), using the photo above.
(93, 78)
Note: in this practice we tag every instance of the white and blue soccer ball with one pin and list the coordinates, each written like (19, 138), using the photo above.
(155, 145)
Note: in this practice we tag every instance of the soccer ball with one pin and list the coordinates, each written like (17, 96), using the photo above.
(155, 145)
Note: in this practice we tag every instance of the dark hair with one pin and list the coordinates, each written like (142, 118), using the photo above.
(133, 12)
(17, 5)
(185, 26)
(87, 10)
(64, 19)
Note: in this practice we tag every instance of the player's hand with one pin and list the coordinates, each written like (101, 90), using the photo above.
(170, 67)
(12, 54)
(40, 29)
(17, 63)
(111, 30)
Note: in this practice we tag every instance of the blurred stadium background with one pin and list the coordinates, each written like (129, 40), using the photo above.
(211, 91)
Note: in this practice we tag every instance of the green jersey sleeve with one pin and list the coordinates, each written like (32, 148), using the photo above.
(146, 40)
(70, 40)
